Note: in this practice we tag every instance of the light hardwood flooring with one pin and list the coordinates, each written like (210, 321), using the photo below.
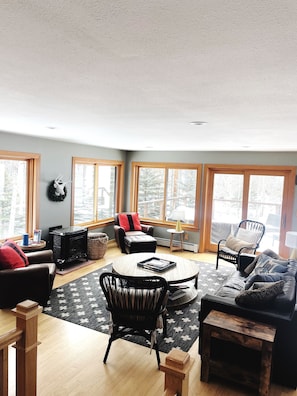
(70, 356)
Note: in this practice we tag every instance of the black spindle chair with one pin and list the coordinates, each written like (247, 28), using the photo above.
(137, 306)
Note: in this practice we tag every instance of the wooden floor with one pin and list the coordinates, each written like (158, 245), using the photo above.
(70, 356)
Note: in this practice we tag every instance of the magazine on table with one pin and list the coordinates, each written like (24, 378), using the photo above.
(156, 264)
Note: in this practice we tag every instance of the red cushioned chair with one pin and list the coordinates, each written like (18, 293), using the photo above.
(31, 282)
(131, 235)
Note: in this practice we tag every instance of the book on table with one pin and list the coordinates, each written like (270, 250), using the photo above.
(178, 291)
(156, 264)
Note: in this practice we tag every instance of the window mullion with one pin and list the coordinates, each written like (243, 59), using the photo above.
(96, 183)
(165, 194)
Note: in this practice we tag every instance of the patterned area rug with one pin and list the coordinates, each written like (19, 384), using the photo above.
(82, 302)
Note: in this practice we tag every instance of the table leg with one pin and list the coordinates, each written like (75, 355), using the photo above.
(171, 242)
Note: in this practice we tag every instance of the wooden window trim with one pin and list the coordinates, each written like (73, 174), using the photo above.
(135, 166)
(120, 165)
(33, 172)
(289, 189)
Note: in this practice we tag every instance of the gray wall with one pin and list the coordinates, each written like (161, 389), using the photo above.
(56, 159)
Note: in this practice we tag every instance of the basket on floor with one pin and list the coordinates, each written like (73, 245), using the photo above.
(97, 245)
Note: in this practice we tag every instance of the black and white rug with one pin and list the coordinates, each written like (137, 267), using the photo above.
(82, 302)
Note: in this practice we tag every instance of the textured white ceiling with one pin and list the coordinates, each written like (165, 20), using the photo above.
(133, 74)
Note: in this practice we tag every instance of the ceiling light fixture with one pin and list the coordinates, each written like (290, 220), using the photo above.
(198, 123)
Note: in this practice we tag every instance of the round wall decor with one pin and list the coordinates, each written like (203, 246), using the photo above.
(56, 192)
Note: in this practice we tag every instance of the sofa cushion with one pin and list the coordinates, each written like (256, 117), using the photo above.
(17, 249)
(286, 300)
(10, 259)
(292, 268)
(129, 221)
(261, 297)
(237, 244)
(233, 285)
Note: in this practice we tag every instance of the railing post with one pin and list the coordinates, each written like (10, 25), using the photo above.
(26, 348)
(176, 368)
(4, 371)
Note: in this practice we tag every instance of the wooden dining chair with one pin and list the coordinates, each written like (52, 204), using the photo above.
(137, 306)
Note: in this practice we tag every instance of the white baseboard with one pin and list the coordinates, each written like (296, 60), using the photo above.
(192, 247)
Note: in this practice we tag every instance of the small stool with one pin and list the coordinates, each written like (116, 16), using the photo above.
(245, 333)
(140, 243)
(176, 245)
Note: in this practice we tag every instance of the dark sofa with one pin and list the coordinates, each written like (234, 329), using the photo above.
(33, 282)
(281, 312)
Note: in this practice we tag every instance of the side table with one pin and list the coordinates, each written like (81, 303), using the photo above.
(32, 247)
(248, 335)
(176, 244)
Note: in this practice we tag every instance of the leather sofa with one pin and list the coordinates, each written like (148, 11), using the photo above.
(280, 313)
(33, 282)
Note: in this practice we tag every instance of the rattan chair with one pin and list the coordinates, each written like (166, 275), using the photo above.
(137, 306)
(246, 239)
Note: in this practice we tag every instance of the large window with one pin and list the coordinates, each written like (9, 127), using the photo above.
(164, 193)
(18, 194)
(96, 190)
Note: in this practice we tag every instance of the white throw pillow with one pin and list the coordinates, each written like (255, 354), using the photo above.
(247, 235)
(236, 244)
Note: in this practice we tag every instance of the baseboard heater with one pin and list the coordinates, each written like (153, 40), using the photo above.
(192, 247)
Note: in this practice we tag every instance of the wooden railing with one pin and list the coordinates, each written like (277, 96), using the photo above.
(177, 368)
(25, 338)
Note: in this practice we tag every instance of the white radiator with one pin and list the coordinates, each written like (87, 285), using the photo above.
(192, 247)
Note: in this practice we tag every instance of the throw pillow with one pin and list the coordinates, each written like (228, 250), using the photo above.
(252, 265)
(247, 235)
(265, 264)
(18, 250)
(10, 259)
(237, 244)
(271, 254)
(259, 285)
(269, 277)
(129, 221)
(258, 298)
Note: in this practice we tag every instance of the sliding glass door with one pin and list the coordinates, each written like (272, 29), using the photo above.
(234, 193)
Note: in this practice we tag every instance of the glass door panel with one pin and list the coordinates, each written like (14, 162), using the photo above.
(265, 205)
(264, 195)
(226, 204)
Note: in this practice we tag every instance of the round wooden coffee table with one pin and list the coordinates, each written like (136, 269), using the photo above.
(182, 291)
